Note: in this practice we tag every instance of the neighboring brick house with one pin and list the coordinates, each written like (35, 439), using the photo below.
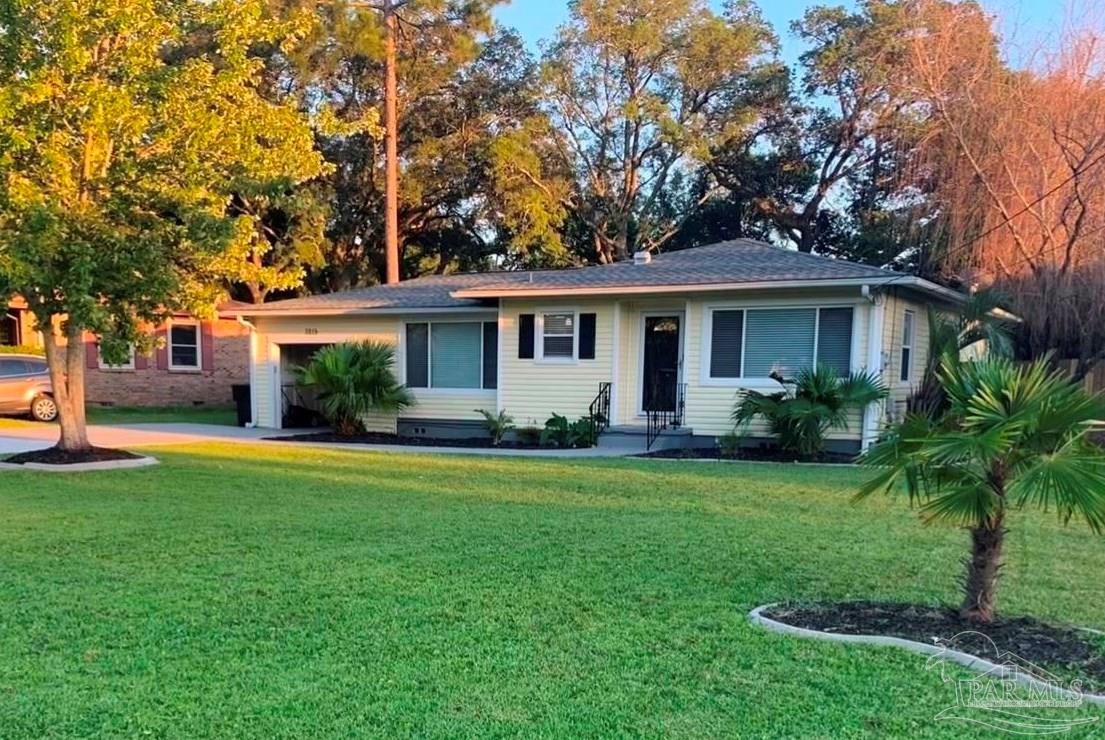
(17, 327)
(195, 363)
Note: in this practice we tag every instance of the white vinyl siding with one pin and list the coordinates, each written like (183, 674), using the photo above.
(532, 389)
(710, 399)
(430, 403)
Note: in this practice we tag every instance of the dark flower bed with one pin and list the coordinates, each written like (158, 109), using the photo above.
(380, 438)
(1069, 651)
(761, 454)
(56, 456)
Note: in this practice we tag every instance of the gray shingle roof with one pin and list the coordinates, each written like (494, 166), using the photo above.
(740, 261)
(431, 291)
(737, 261)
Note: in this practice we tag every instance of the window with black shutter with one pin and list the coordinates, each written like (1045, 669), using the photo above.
(525, 336)
(587, 336)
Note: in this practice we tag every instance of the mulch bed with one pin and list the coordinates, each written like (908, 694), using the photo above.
(751, 453)
(56, 456)
(1069, 651)
(380, 438)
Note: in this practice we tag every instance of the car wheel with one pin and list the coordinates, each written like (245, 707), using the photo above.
(43, 408)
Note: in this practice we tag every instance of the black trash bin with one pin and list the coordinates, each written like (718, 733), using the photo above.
(241, 403)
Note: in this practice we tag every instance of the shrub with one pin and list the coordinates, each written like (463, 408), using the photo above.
(1011, 435)
(353, 379)
(497, 424)
(809, 406)
(528, 435)
(729, 445)
(559, 432)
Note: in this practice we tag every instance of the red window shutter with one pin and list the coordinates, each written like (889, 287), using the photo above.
(91, 353)
(141, 362)
(162, 349)
(207, 337)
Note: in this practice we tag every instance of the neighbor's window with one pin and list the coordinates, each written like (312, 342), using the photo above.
(558, 336)
(907, 345)
(128, 365)
(753, 343)
(184, 345)
(461, 354)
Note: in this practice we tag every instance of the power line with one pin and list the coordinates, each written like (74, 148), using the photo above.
(1028, 208)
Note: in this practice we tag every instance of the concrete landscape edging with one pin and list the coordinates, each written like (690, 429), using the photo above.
(88, 467)
(971, 662)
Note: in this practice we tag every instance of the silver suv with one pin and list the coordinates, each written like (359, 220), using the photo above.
(25, 387)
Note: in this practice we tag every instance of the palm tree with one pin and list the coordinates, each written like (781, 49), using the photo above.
(1012, 435)
(806, 408)
(353, 379)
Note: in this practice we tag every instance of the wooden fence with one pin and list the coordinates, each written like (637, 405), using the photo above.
(1094, 382)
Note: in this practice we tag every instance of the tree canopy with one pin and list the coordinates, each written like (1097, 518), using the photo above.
(126, 135)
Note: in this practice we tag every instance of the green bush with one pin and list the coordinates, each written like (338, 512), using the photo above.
(497, 424)
(353, 379)
(729, 445)
(559, 432)
(808, 406)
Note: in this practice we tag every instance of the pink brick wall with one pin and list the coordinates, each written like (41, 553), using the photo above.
(151, 383)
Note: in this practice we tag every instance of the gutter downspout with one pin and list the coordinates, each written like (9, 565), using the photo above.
(876, 318)
(252, 370)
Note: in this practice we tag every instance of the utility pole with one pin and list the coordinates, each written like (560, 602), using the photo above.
(388, 9)
(391, 143)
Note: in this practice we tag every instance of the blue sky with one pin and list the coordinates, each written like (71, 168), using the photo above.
(1023, 19)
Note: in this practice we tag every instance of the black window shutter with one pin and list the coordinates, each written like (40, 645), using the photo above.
(726, 338)
(490, 354)
(525, 336)
(418, 367)
(587, 336)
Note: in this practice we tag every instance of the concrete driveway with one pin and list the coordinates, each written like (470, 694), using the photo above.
(40, 436)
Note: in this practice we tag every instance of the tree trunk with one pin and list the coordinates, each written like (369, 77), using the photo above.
(982, 571)
(66, 364)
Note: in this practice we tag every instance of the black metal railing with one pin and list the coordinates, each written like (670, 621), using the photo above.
(600, 413)
(666, 416)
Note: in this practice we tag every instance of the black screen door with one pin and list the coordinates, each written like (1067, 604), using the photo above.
(661, 368)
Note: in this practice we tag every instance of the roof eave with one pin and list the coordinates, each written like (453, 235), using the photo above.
(874, 281)
(262, 312)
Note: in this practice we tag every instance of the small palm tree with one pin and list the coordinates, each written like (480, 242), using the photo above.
(806, 408)
(1012, 435)
(353, 379)
(497, 424)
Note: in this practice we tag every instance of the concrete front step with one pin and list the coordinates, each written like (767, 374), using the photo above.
(634, 438)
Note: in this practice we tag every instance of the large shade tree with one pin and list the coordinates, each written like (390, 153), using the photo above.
(637, 93)
(457, 84)
(127, 130)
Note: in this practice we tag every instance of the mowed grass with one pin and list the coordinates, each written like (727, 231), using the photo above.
(220, 415)
(281, 591)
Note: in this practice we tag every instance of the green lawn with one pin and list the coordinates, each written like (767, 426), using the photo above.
(290, 592)
(222, 415)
